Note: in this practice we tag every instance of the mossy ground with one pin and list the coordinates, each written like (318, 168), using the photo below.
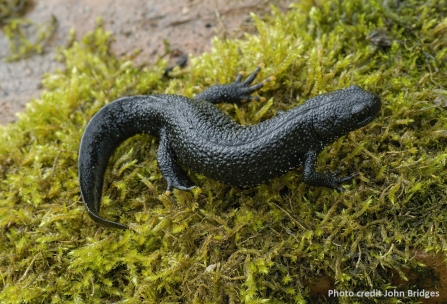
(220, 244)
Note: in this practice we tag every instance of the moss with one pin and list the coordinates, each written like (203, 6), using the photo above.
(25, 37)
(218, 243)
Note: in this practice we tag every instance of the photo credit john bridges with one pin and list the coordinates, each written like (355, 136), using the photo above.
(376, 293)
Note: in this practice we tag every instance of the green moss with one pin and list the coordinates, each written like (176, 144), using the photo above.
(23, 44)
(25, 37)
(218, 243)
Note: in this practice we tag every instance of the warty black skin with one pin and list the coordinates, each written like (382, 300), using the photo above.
(197, 134)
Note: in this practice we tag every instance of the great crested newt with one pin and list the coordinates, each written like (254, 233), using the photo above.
(194, 132)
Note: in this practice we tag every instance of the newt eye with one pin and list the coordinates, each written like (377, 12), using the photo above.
(360, 111)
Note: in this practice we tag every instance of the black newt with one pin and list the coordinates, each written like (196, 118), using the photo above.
(197, 134)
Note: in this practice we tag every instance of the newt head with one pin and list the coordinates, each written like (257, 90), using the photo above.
(343, 111)
(365, 106)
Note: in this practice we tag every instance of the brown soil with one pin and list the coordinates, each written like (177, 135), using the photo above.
(188, 25)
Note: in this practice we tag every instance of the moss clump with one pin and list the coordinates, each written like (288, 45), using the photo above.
(218, 243)
(26, 38)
